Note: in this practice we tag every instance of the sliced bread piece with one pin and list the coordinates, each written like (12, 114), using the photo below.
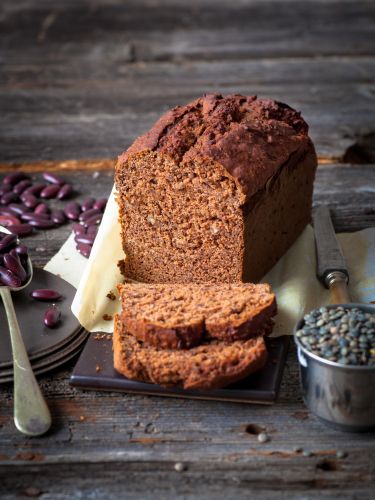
(211, 365)
(177, 316)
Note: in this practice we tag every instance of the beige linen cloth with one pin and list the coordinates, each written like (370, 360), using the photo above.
(292, 278)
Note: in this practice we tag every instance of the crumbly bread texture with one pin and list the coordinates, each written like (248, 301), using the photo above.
(176, 316)
(216, 191)
(211, 365)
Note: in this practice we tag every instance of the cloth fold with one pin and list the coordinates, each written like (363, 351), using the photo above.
(292, 279)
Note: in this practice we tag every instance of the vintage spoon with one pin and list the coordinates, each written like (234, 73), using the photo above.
(31, 413)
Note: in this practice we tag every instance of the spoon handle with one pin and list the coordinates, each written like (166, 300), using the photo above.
(31, 413)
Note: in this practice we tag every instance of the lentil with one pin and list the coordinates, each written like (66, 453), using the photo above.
(347, 337)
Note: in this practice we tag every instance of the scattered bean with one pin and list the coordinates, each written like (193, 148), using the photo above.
(88, 239)
(18, 208)
(95, 219)
(8, 198)
(52, 316)
(79, 229)
(7, 242)
(5, 188)
(50, 191)
(29, 200)
(20, 187)
(58, 217)
(46, 294)
(13, 263)
(14, 178)
(89, 213)
(9, 220)
(72, 210)
(42, 223)
(84, 249)
(87, 204)
(42, 208)
(22, 229)
(36, 188)
(34, 216)
(100, 204)
(64, 192)
(8, 278)
(52, 178)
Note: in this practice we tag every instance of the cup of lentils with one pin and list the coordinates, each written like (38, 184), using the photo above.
(336, 353)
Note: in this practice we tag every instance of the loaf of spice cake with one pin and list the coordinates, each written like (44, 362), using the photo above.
(216, 191)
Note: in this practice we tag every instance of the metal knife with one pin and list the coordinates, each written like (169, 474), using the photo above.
(331, 266)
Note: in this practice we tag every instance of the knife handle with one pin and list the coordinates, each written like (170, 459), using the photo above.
(337, 282)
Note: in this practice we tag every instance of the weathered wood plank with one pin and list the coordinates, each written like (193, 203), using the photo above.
(98, 121)
(155, 31)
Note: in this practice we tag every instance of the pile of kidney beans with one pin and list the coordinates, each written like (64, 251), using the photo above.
(14, 271)
(24, 207)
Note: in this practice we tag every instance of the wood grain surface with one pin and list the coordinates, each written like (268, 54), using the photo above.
(79, 80)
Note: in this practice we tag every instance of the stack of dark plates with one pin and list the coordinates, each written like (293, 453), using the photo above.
(47, 348)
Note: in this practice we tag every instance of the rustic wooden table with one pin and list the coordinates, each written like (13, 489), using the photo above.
(80, 79)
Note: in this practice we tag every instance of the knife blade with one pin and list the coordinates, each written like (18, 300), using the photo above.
(331, 266)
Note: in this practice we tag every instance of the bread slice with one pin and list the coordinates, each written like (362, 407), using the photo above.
(182, 316)
(211, 365)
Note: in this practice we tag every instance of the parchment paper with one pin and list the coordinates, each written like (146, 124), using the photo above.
(293, 277)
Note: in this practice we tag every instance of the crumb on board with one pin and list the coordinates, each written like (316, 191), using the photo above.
(98, 368)
(111, 295)
(107, 317)
(102, 336)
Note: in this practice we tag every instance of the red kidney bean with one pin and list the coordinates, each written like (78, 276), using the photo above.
(18, 208)
(21, 250)
(50, 191)
(79, 229)
(72, 210)
(100, 204)
(14, 178)
(35, 189)
(92, 230)
(58, 217)
(88, 239)
(8, 198)
(52, 178)
(13, 263)
(20, 187)
(34, 216)
(42, 223)
(22, 229)
(42, 208)
(29, 200)
(65, 191)
(5, 188)
(45, 294)
(95, 219)
(6, 211)
(87, 204)
(84, 249)
(89, 213)
(9, 220)
(8, 278)
(7, 242)
(52, 316)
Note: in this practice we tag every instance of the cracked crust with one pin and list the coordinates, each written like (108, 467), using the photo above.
(212, 365)
(251, 138)
(183, 316)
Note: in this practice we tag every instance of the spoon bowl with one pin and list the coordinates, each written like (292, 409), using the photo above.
(31, 414)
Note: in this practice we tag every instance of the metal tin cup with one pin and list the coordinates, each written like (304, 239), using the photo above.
(342, 396)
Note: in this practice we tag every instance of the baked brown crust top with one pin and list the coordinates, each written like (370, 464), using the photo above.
(252, 138)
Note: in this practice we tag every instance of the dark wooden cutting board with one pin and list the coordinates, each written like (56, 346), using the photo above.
(94, 370)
